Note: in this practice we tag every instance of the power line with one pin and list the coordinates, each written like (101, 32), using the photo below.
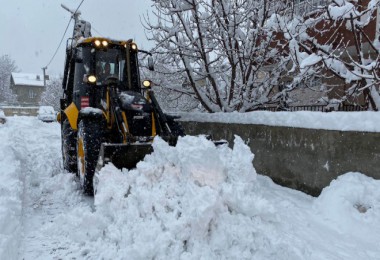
(63, 37)
(79, 6)
(59, 45)
(93, 28)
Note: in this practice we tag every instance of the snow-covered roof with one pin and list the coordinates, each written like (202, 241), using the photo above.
(28, 79)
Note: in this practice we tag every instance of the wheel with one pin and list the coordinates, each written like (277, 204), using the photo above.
(69, 150)
(90, 136)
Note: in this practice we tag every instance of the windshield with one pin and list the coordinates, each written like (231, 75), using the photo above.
(109, 62)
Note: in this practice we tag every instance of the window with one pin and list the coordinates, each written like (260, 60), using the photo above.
(109, 63)
(314, 83)
(32, 94)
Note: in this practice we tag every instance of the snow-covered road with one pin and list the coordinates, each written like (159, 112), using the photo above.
(43, 190)
(193, 201)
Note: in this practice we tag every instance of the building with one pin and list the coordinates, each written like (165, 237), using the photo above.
(329, 85)
(28, 88)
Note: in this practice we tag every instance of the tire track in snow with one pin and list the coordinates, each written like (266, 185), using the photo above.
(49, 191)
(10, 196)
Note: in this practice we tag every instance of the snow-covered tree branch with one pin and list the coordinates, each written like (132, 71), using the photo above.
(7, 66)
(337, 41)
(52, 93)
(219, 52)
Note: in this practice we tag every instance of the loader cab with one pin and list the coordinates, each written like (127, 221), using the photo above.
(99, 59)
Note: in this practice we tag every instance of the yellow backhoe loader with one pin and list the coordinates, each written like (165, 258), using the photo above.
(108, 114)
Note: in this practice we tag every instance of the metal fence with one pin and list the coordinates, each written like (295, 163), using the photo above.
(316, 108)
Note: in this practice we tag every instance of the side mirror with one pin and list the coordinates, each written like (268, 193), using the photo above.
(150, 63)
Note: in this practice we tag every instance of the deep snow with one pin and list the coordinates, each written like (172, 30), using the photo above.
(192, 201)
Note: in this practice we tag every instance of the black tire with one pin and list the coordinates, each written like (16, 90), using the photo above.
(89, 138)
(69, 147)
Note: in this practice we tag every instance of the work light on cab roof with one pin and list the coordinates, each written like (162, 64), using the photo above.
(101, 43)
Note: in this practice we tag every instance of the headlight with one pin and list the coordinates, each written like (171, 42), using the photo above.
(105, 43)
(97, 43)
(134, 46)
(91, 79)
(147, 83)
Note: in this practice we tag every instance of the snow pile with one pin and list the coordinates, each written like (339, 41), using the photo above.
(198, 201)
(11, 192)
(191, 201)
(182, 202)
(351, 204)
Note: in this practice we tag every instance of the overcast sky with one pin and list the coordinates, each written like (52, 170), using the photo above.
(30, 30)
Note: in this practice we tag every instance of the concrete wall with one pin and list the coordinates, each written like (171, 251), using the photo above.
(19, 111)
(303, 159)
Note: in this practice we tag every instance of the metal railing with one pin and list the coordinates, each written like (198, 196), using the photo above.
(315, 108)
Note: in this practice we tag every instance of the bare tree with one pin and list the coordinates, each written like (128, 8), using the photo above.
(167, 86)
(218, 52)
(53, 93)
(7, 66)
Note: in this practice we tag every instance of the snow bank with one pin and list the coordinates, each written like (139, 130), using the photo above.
(11, 192)
(198, 201)
(341, 121)
(192, 201)
(351, 204)
(181, 202)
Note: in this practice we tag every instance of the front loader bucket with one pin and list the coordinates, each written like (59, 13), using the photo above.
(123, 155)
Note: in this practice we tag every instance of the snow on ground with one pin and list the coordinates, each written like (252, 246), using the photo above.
(342, 121)
(192, 201)
(34, 190)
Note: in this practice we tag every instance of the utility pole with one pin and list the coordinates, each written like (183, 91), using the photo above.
(82, 29)
(75, 15)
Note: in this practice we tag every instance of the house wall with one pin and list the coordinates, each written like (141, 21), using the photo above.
(24, 96)
(303, 159)
(327, 32)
